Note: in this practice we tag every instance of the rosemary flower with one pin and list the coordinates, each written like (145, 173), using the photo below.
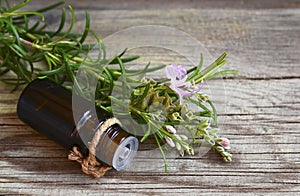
(180, 83)
(225, 142)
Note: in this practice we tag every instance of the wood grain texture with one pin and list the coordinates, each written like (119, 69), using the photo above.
(163, 4)
(260, 114)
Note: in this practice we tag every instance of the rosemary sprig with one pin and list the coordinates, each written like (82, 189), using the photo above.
(59, 54)
(28, 51)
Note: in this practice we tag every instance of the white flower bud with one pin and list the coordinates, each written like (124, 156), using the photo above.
(192, 151)
(170, 129)
(170, 142)
(177, 136)
(184, 137)
(181, 152)
(178, 146)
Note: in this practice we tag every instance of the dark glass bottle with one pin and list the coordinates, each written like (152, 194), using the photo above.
(47, 108)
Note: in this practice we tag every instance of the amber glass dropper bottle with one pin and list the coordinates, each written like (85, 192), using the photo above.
(47, 108)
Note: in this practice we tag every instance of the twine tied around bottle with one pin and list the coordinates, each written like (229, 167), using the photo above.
(89, 164)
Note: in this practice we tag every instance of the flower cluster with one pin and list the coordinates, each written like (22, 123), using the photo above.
(182, 88)
(179, 143)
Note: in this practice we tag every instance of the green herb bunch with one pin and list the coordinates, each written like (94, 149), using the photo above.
(29, 51)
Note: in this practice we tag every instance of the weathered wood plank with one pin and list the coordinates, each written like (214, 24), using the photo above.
(266, 153)
(177, 4)
(261, 44)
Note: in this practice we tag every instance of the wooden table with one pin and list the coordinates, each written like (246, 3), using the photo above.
(261, 117)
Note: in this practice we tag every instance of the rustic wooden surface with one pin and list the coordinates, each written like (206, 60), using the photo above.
(261, 116)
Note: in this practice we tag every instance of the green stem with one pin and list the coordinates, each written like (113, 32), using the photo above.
(211, 68)
(162, 153)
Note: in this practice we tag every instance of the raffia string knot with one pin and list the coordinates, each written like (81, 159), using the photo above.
(89, 164)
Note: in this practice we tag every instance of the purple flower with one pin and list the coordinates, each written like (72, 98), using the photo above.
(225, 142)
(175, 71)
(179, 82)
